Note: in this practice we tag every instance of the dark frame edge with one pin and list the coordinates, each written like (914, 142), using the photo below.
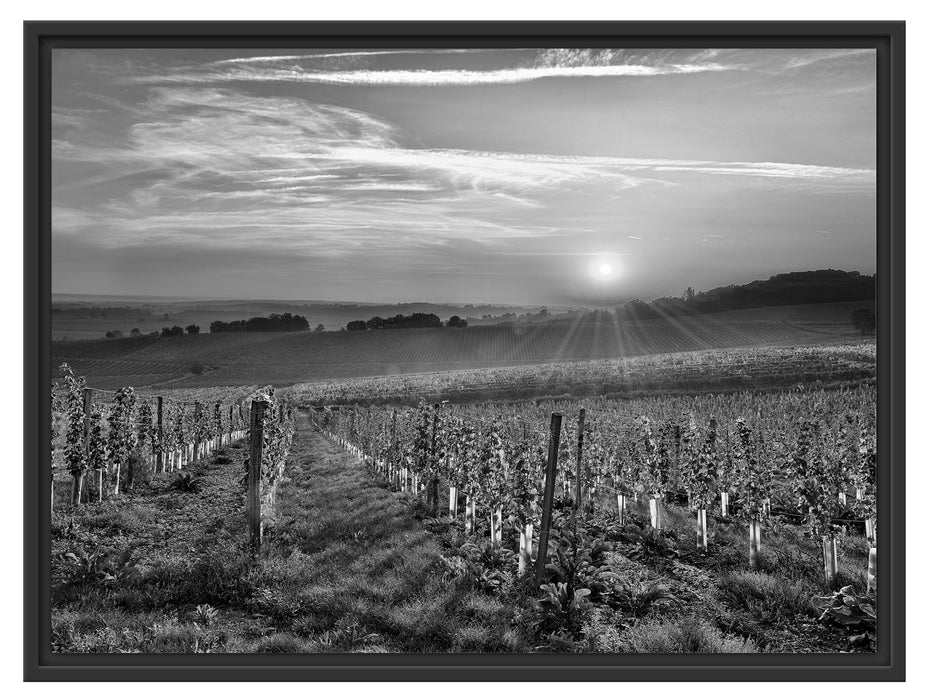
(894, 339)
(32, 669)
(890, 334)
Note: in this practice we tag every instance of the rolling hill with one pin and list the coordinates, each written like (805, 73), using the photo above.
(287, 358)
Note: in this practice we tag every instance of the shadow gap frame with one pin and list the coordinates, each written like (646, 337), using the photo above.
(888, 38)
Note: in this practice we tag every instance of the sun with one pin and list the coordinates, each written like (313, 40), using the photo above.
(604, 267)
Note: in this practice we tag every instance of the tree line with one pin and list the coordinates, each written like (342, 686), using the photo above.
(415, 320)
(273, 323)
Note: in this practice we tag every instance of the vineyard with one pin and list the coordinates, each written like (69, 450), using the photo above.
(374, 521)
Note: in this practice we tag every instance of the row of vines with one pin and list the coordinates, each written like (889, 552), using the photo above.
(807, 458)
(122, 437)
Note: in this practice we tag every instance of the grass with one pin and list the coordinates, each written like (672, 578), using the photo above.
(347, 567)
(684, 635)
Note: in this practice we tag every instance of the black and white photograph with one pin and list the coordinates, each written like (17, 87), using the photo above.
(464, 350)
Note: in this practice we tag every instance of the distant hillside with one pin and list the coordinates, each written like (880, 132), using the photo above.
(792, 288)
(287, 358)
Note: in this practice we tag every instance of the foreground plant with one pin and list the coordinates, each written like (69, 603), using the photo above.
(101, 566)
(853, 613)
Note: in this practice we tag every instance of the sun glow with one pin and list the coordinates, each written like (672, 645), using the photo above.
(604, 268)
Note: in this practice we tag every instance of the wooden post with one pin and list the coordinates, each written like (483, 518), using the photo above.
(253, 497)
(159, 436)
(198, 410)
(621, 508)
(218, 424)
(229, 435)
(676, 442)
(578, 460)
(870, 525)
(701, 532)
(470, 514)
(725, 498)
(871, 571)
(77, 486)
(433, 497)
(543, 550)
(829, 546)
(392, 443)
(755, 540)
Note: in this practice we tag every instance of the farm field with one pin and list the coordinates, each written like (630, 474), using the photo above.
(288, 358)
(740, 369)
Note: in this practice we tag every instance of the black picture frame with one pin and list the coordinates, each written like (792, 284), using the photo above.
(887, 664)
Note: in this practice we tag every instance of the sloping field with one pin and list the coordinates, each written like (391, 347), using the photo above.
(285, 358)
(720, 370)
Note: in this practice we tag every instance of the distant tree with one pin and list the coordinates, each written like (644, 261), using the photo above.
(114, 334)
(192, 329)
(172, 332)
(864, 320)
(689, 294)
(356, 326)
(197, 367)
(135, 332)
(319, 328)
(456, 322)
(108, 334)
(271, 323)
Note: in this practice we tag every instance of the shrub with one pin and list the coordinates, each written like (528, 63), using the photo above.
(187, 482)
(101, 566)
(853, 613)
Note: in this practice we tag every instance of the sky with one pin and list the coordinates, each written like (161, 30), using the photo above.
(566, 177)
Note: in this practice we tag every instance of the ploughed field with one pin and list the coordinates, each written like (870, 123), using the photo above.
(288, 358)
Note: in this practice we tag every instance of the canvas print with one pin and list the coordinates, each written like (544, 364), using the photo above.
(463, 350)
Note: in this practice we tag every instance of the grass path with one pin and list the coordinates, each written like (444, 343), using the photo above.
(370, 576)
(345, 568)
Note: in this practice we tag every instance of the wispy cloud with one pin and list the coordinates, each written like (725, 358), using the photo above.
(429, 78)
(339, 54)
(222, 160)
(817, 56)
